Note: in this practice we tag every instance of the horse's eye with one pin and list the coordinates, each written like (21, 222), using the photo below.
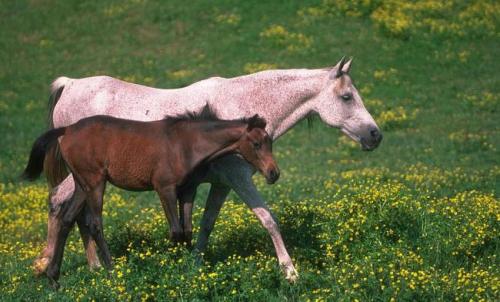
(257, 145)
(346, 97)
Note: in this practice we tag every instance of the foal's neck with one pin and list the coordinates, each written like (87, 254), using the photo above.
(219, 138)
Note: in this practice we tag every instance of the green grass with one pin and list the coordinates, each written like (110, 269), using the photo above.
(417, 219)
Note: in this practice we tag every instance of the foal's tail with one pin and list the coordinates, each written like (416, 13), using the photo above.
(38, 151)
(55, 169)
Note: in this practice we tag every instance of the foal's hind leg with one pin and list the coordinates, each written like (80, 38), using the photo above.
(89, 243)
(186, 200)
(58, 198)
(68, 216)
(94, 203)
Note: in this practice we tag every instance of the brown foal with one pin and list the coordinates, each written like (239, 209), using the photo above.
(141, 156)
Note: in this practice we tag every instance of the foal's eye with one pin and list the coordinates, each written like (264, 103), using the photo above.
(346, 97)
(257, 145)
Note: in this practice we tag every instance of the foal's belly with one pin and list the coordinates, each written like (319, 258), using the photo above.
(129, 177)
(131, 186)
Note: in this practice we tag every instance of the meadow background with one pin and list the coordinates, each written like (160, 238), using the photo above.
(417, 219)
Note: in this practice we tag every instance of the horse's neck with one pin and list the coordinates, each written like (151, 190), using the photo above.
(282, 97)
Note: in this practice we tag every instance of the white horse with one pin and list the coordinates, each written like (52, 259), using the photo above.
(281, 97)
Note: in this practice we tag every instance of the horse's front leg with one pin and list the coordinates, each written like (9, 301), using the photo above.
(236, 173)
(247, 191)
(168, 198)
(215, 200)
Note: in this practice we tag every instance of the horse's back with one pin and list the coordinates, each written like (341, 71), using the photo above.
(106, 95)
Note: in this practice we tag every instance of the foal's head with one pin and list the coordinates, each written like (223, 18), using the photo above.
(256, 147)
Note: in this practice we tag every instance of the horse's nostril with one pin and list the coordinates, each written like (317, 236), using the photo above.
(374, 133)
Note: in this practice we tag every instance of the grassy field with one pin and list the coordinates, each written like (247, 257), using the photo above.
(417, 219)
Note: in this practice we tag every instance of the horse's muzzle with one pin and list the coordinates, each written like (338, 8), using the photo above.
(372, 142)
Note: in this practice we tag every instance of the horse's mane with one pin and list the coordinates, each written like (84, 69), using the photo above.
(207, 114)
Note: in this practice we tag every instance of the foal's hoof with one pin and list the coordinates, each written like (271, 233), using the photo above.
(176, 238)
(54, 284)
(40, 265)
(198, 257)
(188, 239)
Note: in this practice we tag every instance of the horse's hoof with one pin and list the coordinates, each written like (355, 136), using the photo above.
(94, 263)
(291, 274)
(40, 265)
(95, 266)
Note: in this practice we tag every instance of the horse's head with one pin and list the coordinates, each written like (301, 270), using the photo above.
(256, 147)
(340, 105)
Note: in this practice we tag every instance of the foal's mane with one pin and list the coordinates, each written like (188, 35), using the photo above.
(207, 114)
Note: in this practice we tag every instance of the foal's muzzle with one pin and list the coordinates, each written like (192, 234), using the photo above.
(272, 175)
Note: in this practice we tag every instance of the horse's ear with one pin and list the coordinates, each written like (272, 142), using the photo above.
(347, 66)
(337, 71)
(256, 122)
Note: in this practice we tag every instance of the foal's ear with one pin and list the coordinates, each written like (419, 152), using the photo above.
(256, 122)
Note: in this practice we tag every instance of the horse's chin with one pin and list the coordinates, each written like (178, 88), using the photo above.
(365, 146)
(351, 135)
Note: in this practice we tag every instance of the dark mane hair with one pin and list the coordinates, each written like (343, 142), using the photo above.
(207, 114)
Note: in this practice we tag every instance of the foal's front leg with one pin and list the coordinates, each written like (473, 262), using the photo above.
(168, 197)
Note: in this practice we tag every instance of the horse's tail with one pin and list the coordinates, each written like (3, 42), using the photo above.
(55, 169)
(38, 151)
